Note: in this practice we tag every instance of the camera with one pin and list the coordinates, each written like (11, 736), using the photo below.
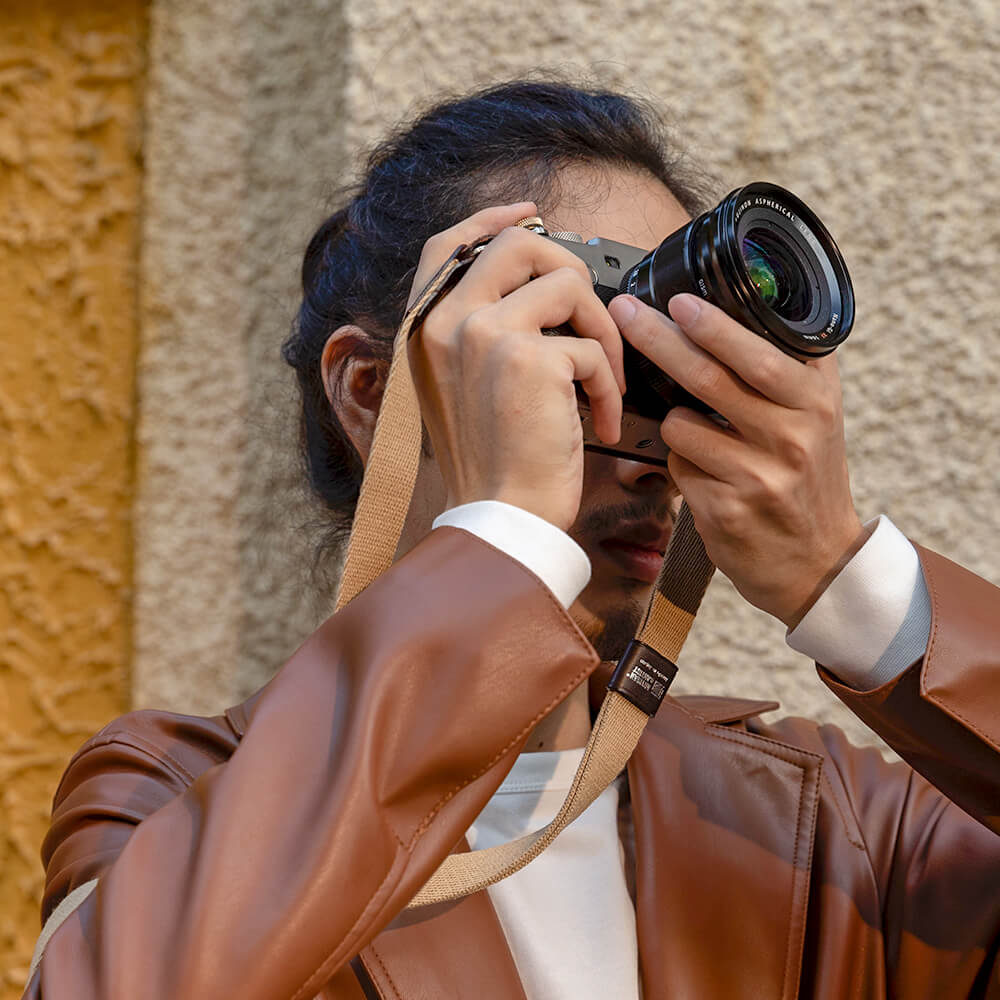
(761, 255)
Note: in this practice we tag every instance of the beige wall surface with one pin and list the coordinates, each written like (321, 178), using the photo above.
(70, 99)
(243, 137)
(880, 114)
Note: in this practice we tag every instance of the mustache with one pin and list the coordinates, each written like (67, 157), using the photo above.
(602, 521)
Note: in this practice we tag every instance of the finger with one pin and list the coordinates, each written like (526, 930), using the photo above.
(693, 481)
(713, 503)
(563, 296)
(512, 259)
(671, 350)
(715, 450)
(591, 369)
(774, 374)
(487, 222)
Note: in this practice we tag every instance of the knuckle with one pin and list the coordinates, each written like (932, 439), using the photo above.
(767, 369)
(513, 236)
(591, 349)
(644, 330)
(729, 517)
(795, 448)
(438, 326)
(576, 266)
(433, 330)
(672, 428)
(434, 248)
(577, 279)
(827, 411)
(518, 358)
(705, 379)
(763, 490)
(479, 325)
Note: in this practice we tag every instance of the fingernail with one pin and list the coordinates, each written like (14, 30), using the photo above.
(622, 309)
(684, 309)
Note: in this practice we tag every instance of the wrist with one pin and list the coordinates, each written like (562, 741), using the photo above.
(548, 552)
(554, 510)
(858, 534)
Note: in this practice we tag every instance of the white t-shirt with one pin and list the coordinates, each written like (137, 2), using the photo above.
(567, 916)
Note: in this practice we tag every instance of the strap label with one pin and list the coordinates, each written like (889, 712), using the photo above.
(643, 676)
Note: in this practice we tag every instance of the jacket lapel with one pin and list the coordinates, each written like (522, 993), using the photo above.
(724, 826)
(724, 823)
(451, 950)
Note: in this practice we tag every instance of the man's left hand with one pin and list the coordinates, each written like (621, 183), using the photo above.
(769, 493)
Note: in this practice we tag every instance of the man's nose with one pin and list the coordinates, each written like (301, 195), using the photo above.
(642, 478)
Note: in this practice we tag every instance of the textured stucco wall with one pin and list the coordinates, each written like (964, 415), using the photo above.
(192, 373)
(70, 97)
(879, 113)
(243, 135)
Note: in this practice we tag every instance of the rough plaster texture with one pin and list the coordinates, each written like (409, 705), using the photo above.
(192, 374)
(242, 140)
(70, 97)
(881, 114)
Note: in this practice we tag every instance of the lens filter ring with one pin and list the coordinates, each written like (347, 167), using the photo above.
(771, 263)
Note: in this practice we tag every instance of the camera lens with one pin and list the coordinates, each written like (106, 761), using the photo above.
(763, 257)
(777, 275)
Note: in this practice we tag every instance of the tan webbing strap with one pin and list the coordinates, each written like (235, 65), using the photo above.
(685, 574)
(67, 906)
(395, 453)
(616, 731)
(383, 503)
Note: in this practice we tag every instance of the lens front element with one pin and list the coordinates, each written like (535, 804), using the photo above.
(776, 273)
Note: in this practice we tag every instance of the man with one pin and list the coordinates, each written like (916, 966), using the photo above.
(270, 853)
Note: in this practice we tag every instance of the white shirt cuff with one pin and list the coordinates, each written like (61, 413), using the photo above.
(534, 542)
(873, 620)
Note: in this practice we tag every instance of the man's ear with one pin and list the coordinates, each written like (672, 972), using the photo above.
(353, 379)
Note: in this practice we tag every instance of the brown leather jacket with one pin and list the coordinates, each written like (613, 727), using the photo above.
(266, 854)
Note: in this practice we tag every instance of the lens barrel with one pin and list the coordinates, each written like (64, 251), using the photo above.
(763, 257)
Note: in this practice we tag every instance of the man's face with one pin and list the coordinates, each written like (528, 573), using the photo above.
(628, 507)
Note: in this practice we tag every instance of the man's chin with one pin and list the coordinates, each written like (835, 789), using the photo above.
(610, 629)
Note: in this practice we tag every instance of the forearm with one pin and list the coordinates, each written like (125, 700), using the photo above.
(363, 763)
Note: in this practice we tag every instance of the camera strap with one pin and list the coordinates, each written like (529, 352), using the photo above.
(644, 671)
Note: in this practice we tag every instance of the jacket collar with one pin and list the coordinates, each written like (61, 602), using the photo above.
(721, 711)
(706, 707)
(724, 823)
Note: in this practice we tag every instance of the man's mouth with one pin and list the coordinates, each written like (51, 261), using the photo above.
(638, 549)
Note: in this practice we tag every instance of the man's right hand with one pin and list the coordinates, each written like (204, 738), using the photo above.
(496, 395)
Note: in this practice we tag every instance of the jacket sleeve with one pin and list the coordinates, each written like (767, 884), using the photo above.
(362, 764)
(942, 714)
(936, 869)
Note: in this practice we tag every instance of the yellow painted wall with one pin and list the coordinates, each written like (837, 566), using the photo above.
(70, 179)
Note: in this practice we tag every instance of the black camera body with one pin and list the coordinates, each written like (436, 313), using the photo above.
(761, 255)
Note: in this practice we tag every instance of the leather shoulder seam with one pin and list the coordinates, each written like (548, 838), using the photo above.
(135, 742)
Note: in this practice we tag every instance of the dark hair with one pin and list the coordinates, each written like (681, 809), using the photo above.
(505, 143)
